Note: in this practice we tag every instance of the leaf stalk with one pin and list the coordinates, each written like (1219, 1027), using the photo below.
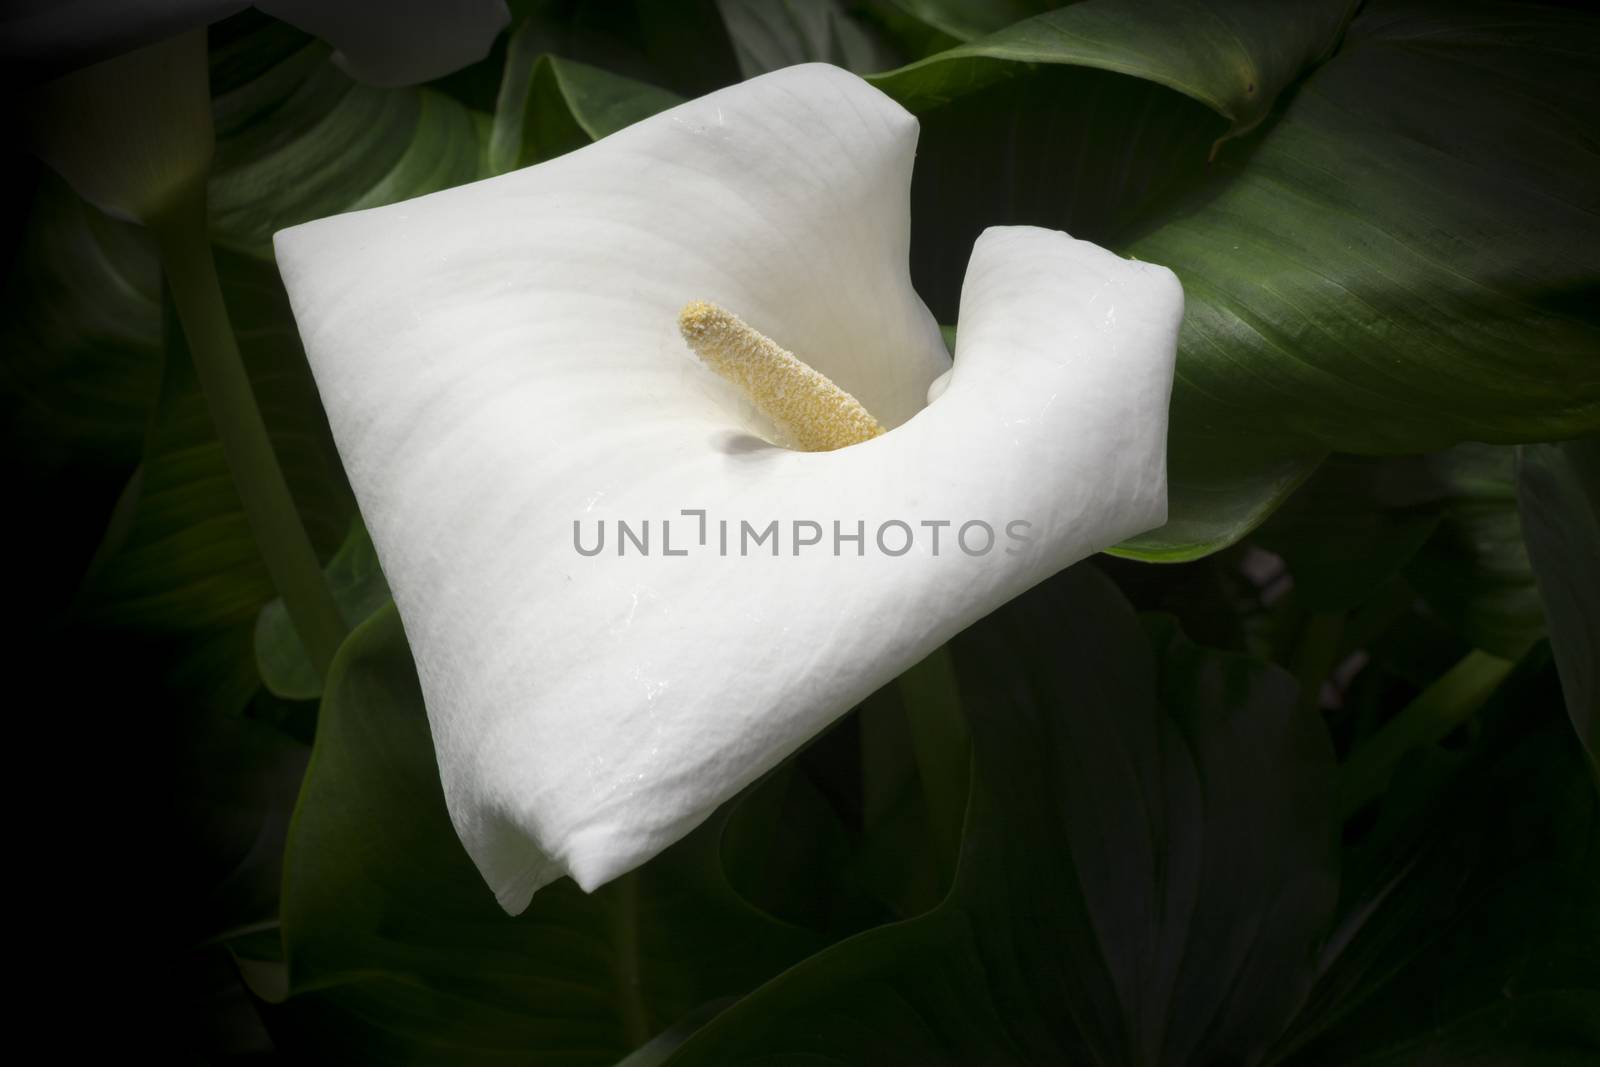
(269, 507)
(1436, 711)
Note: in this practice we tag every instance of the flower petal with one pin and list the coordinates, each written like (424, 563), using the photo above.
(501, 362)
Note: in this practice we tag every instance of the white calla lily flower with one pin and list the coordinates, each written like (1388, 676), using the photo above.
(507, 376)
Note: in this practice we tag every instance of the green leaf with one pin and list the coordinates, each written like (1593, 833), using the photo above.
(967, 19)
(298, 139)
(1065, 147)
(397, 951)
(1069, 140)
(549, 106)
(1085, 116)
(680, 45)
(786, 850)
(1369, 272)
(360, 589)
(1446, 522)
(769, 34)
(1148, 863)
(1558, 497)
(910, 36)
(81, 328)
(943, 750)
(1232, 56)
(1217, 492)
(1378, 271)
(660, 1048)
(1474, 571)
(80, 325)
(1470, 922)
(1437, 712)
(239, 781)
(902, 862)
(1353, 526)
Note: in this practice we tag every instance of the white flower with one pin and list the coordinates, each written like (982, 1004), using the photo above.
(504, 360)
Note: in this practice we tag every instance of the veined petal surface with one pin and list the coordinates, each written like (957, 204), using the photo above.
(501, 366)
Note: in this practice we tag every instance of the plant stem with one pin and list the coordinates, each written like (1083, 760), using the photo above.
(624, 907)
(943, 751)
(280, 536)
(1436, 711)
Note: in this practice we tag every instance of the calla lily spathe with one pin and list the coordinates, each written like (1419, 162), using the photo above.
(502, 360)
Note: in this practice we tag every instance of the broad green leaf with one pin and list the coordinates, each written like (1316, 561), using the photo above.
(910, 36)
(1217, 492)
(357, 583)
(397, 951)
(1149, 860)
(680, 45)
(549, 106)
(298, 139)
(1232, 56)
(1080, 118)
(967, 19)
(769, 34)
(1558, 498)
(1474, 571)
(1397, 262)
(1059, 146)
